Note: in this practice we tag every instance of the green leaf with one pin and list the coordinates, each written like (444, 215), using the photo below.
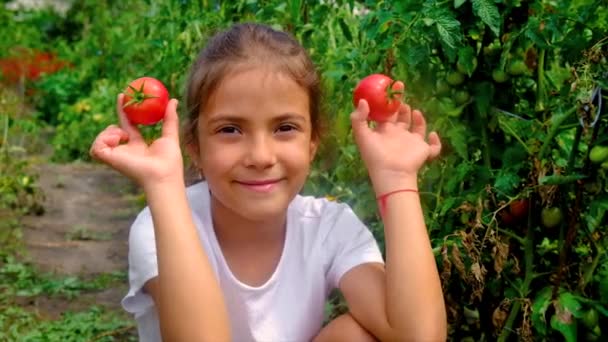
(564, 322)
(602, 279)
(539, 308)
(458, 3)
(506, 181)
(533, 33)
(487, 11)
(571, 303)
(466, 58)
(459, 174)
(457, 136)
(345, 30)
(448, 28)
(447, 205)
(415, 54)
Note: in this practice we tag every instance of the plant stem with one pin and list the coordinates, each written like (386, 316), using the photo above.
(485, 142)
(540, 86)
(556, 124)
(512, 235)
(599, 252)
(572, 157)
(529, 275)
(5, 134)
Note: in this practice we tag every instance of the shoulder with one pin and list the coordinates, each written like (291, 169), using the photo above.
(323, 216)
(310, 207)
(143, 227)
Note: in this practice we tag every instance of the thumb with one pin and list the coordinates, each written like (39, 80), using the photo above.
(358, 118)
(171, 121)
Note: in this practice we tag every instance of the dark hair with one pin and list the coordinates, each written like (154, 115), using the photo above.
(246, 45)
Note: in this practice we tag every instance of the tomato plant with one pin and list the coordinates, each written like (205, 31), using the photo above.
(382, 94)
(145, 101)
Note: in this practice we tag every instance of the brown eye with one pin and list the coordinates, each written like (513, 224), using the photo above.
(286, 128)
(228, 130)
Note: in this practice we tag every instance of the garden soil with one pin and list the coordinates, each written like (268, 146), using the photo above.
(88, 209)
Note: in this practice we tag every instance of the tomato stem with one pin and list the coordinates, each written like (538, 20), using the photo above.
(138, 96)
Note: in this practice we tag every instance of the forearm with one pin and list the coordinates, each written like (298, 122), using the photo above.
(415, 304)
(191, 305)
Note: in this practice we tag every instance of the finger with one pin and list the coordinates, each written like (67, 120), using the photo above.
(435, 145)
(418, 124)
(124, 121)
(399, 87)
(405, 116)
(358, 119)
(171, 121)
(107, 140)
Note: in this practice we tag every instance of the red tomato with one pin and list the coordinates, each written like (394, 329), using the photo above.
(506, 217)
(381, 93)
(519, 208)
(145, 101)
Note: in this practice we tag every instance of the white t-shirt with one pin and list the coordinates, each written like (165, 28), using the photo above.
(323, 241)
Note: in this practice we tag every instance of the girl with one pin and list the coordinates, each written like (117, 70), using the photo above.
(241, 256)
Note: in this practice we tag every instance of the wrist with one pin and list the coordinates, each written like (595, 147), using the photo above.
(161, 187)
(388, 182)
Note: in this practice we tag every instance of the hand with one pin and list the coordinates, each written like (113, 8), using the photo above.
(396, 149)
(124, 149)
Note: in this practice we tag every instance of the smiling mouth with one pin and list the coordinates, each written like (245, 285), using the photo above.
(263, 186)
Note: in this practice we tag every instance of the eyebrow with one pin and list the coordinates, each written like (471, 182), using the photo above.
(242, 119)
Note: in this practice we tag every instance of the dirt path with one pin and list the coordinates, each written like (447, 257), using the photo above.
(84, 230)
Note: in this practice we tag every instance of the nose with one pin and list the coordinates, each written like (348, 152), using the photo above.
(261, 154)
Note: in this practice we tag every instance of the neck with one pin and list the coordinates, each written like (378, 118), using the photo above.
(233, 229)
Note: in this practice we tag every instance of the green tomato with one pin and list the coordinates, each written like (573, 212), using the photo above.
(455, 78)
(590, 318)
(517, 67)
(461, 68)
(551, 217)
(462, 97)
(442, 87)
(499, 76)
(594, 334)
(598, 154)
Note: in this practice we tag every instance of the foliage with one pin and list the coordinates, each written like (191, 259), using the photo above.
(516, 90)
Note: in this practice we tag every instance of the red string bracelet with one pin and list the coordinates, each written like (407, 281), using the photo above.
(382, 198)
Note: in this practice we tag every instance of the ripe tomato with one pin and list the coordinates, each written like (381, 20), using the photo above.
(381, 93)
(145, 101)
(506, 217)
(519, 208)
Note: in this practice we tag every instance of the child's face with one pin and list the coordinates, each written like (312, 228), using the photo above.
(255, 145)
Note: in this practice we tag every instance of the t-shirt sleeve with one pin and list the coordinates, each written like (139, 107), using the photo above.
(349, 243)
(142, 264)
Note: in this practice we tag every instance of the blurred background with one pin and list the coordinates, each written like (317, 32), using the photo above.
(516, 205)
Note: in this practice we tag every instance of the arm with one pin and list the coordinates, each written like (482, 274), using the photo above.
(187, 295)
(403, 301)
